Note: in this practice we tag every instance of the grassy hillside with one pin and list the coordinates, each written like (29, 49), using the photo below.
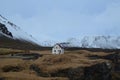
(73, 65)
(4, 51)
(17, 44)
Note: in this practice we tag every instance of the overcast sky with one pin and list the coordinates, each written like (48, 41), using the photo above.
(63, 19)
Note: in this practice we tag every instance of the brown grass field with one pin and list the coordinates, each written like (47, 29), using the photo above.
(47, 64)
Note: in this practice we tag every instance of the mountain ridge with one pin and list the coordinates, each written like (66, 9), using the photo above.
(104, 42)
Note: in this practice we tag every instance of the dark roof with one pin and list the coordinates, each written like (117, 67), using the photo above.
(64, 45)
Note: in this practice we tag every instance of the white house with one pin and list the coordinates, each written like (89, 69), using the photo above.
(59, 48)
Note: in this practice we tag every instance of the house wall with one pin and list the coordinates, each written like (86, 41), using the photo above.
(57, 50)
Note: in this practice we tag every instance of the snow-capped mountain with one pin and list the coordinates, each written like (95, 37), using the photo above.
(104, 42)
(11, 30)
(12, 36)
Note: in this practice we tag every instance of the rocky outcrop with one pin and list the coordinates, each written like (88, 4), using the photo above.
(101, 71)
(114, 58)
(10, 68)
(4, 30)
(1, 78)
(98, 72)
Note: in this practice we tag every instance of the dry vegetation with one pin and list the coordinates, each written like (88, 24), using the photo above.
(47, 64)
(4, 51)
(24, 76)
(50, 63)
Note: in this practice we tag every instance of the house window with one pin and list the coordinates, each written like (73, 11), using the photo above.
(59, 51)
(54, 50)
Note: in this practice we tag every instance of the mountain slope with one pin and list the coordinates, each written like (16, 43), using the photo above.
(17, 44)
(12, 36)
(17, 32)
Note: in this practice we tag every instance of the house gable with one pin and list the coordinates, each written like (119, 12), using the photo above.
(57, 49)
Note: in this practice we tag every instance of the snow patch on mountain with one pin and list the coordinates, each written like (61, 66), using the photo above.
(16, 31)
(105, 42)
(49, 43)
(75, 42)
